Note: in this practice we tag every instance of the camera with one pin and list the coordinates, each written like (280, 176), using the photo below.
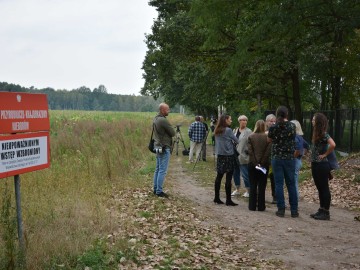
(159, 150)
(178, 127)
(213, 119)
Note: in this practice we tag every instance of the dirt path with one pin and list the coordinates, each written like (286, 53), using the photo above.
(301, 243)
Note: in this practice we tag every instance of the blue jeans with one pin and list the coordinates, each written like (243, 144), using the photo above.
(298, 165)
(285, 169)
(243, 169)
(162, 163)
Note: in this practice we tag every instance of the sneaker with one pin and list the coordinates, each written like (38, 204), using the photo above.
(246, 194)
(235, 192)
(162, 194)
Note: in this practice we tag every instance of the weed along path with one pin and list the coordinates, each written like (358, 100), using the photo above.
(297, 243)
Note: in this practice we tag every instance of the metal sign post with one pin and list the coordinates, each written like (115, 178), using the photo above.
(18, 212)
(24, 143)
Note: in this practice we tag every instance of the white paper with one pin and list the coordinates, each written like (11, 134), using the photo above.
(262, 169)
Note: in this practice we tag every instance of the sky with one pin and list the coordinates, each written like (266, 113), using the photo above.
(66, 44)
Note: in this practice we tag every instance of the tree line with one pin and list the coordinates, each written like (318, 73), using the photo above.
(84, 99)
(255, 55)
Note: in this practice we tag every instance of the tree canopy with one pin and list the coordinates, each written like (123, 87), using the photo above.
(302, 54)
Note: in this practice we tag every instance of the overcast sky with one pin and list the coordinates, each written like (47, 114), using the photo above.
(66, 44)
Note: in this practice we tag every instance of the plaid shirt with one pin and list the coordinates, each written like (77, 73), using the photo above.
(197, 132)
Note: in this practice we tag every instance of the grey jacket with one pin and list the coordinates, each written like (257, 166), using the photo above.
(242, 147)
(163, 131)
(224, 143)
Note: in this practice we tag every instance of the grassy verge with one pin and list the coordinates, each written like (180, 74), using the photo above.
(94, 155)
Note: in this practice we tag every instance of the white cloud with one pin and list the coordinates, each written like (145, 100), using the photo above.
(66, 44)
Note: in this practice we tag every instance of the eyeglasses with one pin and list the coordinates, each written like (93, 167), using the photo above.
(243, 120)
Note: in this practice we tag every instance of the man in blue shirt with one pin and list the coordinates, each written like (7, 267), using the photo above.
(197, 133)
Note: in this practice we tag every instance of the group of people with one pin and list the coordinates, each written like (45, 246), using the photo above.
(277, 144)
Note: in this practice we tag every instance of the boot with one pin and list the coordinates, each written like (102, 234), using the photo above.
(217, 193)
(229, 202)
(280, 212)
(323, 215)
(316, 214)
(218, 201)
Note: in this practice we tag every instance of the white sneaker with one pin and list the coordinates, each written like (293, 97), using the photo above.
(235, 192)
(246, 194)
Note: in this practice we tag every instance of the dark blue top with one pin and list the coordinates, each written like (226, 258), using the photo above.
(300, 144)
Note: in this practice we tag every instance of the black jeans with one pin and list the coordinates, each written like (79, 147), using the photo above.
(258, 182)
(320, 172)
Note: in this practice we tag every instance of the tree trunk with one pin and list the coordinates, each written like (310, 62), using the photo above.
(259, 102)
(336, 85)
(296, 94)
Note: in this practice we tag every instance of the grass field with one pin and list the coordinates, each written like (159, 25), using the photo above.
(67, 208)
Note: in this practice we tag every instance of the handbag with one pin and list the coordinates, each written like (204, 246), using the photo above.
(151, 145)
(334, 165)
(236, 152)
(236, 155)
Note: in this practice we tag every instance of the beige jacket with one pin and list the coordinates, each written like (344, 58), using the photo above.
(242, 147)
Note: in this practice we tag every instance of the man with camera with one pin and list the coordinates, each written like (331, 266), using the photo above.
(163, 133)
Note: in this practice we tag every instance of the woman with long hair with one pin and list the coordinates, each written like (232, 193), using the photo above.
(226, 159)
(282, 136)
(322, 146)
(259, 154)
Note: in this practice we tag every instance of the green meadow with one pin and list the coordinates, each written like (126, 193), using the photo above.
(70, 210)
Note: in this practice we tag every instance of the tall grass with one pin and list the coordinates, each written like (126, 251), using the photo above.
(66, 208)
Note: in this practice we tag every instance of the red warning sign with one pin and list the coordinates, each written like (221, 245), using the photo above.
(23, 112)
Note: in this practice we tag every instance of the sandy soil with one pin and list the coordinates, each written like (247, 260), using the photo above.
(301, 243)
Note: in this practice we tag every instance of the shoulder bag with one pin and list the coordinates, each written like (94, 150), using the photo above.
(151, 145)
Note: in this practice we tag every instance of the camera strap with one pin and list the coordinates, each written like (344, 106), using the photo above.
(152, 132)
